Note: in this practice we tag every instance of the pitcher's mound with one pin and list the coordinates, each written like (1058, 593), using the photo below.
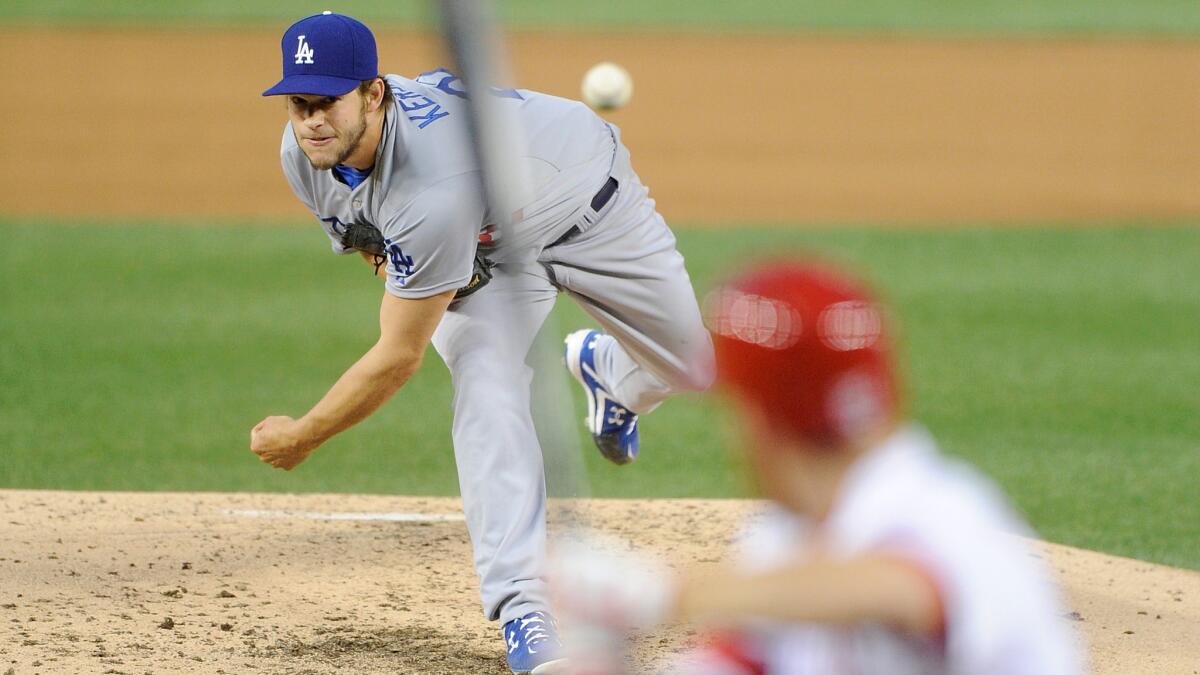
(237, 583)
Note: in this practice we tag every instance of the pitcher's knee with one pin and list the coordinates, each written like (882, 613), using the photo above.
(697, 372)
(485, 371)
(694, 374)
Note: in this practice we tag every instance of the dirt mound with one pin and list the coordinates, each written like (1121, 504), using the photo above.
(237, 583)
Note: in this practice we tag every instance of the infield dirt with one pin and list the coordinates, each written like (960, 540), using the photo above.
(158, 123)
(238, 583)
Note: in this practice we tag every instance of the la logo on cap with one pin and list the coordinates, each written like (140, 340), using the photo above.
(304, 53)
(348, 56)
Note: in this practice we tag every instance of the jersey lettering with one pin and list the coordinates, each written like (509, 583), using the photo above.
(304, 53)
(411, 101)
(338, 226)
(444, 80)
(402, 264)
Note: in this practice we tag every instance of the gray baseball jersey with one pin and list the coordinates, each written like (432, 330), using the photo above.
(423, 193)
(608, 249)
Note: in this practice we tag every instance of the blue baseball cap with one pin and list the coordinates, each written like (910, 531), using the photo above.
(326, 54)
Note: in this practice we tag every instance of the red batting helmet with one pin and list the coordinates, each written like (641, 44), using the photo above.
(807, 345)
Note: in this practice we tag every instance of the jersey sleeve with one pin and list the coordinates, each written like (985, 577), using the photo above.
(1000, 611)
(431, 241)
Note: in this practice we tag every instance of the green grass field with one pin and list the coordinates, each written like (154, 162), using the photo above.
(1168, 17)
(1062, 361)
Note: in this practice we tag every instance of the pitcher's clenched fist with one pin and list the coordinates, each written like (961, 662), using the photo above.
(280, 441)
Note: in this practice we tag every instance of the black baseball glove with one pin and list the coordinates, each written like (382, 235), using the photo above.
(480, 276)
(368, 239)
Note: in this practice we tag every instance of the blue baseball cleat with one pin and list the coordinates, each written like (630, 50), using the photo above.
(613, 426)
(533, 646)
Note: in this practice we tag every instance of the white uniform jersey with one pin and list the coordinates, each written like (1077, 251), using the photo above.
(1002, 613)
(424, 192)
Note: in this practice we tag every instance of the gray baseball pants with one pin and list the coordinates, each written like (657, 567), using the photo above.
(623, 269)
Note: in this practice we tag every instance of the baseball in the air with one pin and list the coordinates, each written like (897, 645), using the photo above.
(607, 86)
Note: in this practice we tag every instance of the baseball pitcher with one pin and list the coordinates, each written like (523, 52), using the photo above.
(385, 165)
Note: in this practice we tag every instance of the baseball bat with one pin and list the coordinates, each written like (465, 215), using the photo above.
(472, 37)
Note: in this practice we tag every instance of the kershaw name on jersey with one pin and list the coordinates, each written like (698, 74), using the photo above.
(423, 193)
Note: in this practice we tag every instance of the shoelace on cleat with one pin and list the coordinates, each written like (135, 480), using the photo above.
(533, 629)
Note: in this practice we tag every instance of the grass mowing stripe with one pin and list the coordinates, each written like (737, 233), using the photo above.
(1062, 361)
(1171, 17)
